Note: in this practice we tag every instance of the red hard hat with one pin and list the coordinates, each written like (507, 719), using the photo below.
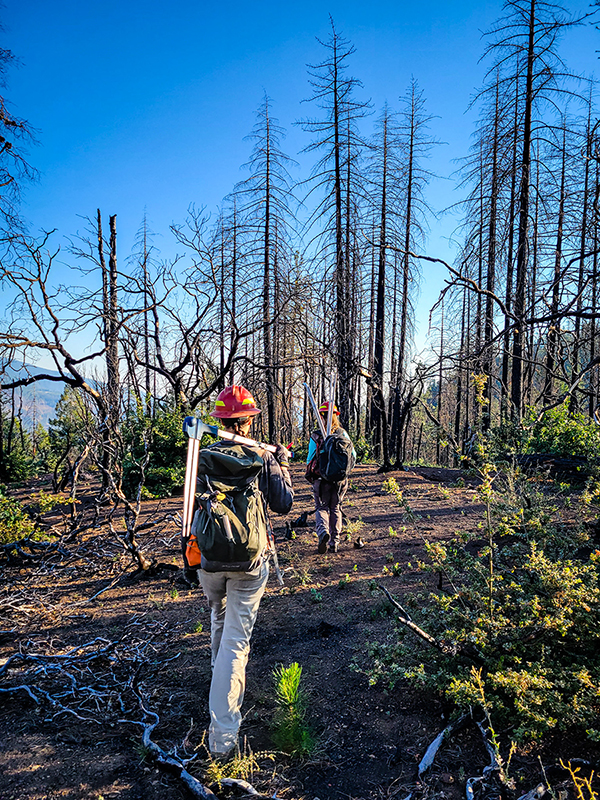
(324, 408)
(234, 401)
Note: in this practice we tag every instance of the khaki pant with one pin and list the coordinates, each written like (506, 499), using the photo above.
(328, 509)
(234, 598)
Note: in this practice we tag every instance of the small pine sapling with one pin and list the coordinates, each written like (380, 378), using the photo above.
(291, 732)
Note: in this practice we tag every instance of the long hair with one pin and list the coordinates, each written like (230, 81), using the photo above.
(335, 421)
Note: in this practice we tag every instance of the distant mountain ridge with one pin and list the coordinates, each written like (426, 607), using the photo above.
(39, 399)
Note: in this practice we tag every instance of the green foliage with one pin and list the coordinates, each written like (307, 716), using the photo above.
(315, 596)
(558, 431)
(301, 450)
(290, 730)
(364, 450)
(162, 442)
(44, 502)
(241, 766)
(17, 463)
(354, 527)
(390, 486)
(18, 522)
(565, 434)
(520, 604)
(303, 575)
(395, 569)
(509, 438)
(15, 523)
(72, 422)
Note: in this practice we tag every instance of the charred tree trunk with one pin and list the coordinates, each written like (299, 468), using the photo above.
(522, 245)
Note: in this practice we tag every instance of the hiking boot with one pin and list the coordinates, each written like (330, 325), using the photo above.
(323, 542)
(333, 548)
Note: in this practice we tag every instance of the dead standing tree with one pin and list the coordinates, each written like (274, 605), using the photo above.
(15, 136)
(193, 355)
(523, 48)
(417, 145)
(47, 322)
(110, 337)
(336, 137)
(42, 323)
(265, 199)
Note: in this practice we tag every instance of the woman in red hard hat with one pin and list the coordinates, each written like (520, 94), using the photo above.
(235, 402)
(234, 597)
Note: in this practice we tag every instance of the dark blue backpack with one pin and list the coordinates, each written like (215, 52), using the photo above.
(336, 457)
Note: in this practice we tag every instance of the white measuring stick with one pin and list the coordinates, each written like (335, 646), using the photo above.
(196, 428)
(189, 489)
(315, 409)
(330, 407)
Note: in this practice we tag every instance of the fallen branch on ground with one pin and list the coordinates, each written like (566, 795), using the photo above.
(445, 647)
(168, 761)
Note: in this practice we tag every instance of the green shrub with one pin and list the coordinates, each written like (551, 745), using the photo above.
(364, 450)
(15, 523)
(558, 431)
(565, 434)
(519, 615)
(301, 451)
(17, 462)
(165, 442)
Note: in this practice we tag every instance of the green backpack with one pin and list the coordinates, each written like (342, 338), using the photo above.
(229, 528)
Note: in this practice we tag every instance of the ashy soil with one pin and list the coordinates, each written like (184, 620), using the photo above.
(80, 741)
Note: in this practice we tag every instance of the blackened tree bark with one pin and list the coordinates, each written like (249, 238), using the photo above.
(336, 136)
(265, 199)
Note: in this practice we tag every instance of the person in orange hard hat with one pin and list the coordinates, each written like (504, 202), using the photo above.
(234, 596)
(328, 494)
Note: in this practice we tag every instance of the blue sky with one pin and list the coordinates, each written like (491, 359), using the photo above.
(145, 105)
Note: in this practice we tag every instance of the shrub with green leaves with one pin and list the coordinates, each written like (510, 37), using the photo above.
(518, 619)
(15, 523)
(290, 730)
(565, 434)
(161, 439)
(18, 522)
(364, 450)
(17, 463)
(558, 431)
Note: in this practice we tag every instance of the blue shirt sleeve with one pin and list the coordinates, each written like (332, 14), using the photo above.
(312, 449)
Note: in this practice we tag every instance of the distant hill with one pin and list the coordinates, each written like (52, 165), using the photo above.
(40, 398)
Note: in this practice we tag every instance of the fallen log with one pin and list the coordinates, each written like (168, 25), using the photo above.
(554, 465)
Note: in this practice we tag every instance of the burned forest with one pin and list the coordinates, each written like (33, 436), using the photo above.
(448, 646)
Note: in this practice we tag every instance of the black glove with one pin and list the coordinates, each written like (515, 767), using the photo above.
(282, 454)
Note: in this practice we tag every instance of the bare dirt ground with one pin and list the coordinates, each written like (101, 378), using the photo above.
(370, 738)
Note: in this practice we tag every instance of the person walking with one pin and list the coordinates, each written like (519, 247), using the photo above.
(328, 495)
(234, 595)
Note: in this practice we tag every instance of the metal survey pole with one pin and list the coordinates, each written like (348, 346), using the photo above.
(196, 428)
(330, 407)
(189, 489)
(315, 409)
